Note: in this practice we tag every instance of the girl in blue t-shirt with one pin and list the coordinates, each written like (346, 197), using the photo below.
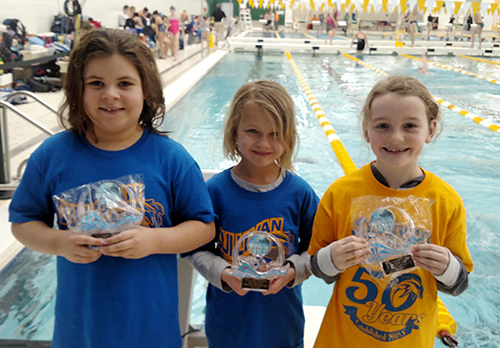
(260, 193)
(121, 291)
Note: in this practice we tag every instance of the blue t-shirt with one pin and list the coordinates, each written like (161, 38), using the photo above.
(116, 302)
(255, 320)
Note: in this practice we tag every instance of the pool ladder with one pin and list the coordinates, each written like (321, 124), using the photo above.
(8, 184)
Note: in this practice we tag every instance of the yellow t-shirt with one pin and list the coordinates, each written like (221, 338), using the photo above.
(402, 312)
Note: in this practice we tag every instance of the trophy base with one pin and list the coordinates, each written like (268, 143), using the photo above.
(397, 264)
(255, 284)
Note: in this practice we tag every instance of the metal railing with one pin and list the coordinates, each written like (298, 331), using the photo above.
(7, 184)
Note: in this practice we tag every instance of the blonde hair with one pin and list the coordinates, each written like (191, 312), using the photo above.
(279, 106)
(404, 86)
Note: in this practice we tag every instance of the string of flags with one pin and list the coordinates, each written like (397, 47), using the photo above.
(379, 6)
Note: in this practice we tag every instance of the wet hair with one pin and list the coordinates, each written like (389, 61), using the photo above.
(101, 43)
(404, 86)
(272, 98)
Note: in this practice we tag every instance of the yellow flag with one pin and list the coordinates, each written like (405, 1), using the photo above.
(476, 6)
(421, 5)
(439, 5)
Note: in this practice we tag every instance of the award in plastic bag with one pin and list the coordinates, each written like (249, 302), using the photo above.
(104, 208)
(258, 259)
(392, 226)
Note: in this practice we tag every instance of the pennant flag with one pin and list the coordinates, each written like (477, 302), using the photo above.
(458, 4)
(421, 5)
(476, 7)
(412, 4)
(439, 5)
(365, 6)
(494, 7)
(484, 8)
(385, 8)
(403, 5)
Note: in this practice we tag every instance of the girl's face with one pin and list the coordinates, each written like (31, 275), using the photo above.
(113, 98)
(397, 132)
(257, 140)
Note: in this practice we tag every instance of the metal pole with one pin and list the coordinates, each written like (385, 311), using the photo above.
(4, 149)
(201, 36)
(4, 153)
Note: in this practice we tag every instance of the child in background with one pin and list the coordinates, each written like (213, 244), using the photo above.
(399, 117)
(259, 193)
(123, 291)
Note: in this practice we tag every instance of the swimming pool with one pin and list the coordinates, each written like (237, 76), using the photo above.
(465, 155)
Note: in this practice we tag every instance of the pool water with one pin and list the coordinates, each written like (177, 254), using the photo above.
(465, 155)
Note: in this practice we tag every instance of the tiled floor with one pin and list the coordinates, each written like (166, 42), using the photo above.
(24, 137)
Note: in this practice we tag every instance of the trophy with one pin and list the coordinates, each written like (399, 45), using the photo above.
(104, 208)
(389, 225)
(258, 259)
(391, 233)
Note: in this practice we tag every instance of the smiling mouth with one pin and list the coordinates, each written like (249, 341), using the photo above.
(261, 153)
(395, 150)
(111, 109)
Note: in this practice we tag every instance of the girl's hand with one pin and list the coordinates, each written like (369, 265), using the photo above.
(280, 282)
(74, 247)
(348, 252)
(136, 243)
(431, 257)
(233, 282)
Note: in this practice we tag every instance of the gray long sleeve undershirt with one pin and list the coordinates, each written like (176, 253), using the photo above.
(453, 281)
(210, 266)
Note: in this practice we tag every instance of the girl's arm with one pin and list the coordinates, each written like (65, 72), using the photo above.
(210, 266)
(333, 259)
(450, 273)
(302, 265)
(39, 237)
(143, 241)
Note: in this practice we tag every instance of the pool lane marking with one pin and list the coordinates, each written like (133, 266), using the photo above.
(359, 61)
(469, 115)
(343, 157)
(461, 71)
(479, 59)
(309, 36)
(475, 118)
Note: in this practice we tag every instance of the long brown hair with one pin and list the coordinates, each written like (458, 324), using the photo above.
(100, 43)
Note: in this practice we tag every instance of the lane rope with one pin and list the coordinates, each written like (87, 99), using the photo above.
(343, 157)
(461, 71)
(475, 118)
(479, 59)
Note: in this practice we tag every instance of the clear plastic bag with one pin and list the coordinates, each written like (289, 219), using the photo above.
(104, 208)
(392, 226)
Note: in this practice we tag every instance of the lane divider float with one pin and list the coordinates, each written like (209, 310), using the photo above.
(461, 71)
(475, 118)
(446, 323)
(479, 59)
(343, 157)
